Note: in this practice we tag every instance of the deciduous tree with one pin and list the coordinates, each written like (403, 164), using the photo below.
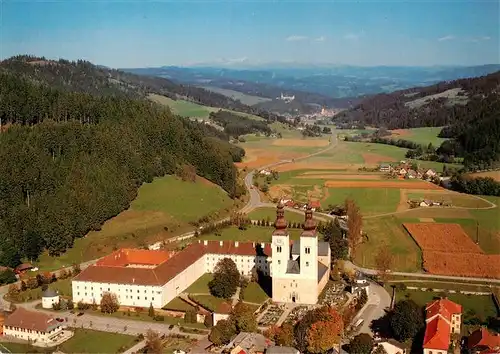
(325, 334)
(109, 303)
(154, 344)
(222, 332)
(361, 344)
(226, 279)
(354, 225)
(244, 318)
(406, 319)
(383, 261)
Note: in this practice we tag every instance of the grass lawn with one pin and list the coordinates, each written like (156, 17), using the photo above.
(251, 234)
(429, 284)
(370, 200)
(200, 286)
(63, 286)
(146, 219)
(422, 136)
(172, 344)
(143, 316)
(488, 218)
(254, 293)
(208, 301)
(89, 341)
(388, 230)
(7, 347)
(177, 304)
(482, 305)
(270, 214)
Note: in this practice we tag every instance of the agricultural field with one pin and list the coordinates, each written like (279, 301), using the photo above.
(448, 250)
(370, 200)
(456, 199)
(493, 174)
(422, 136)
(243, 98)
(388, 230)
(270, 214)
(152, 216)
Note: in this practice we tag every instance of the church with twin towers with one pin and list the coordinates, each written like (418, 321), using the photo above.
(300, 268)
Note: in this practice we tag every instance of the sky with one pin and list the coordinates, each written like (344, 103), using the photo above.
(125, 34)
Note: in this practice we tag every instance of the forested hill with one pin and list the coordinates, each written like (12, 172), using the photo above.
(468, 108)
(83, 76)
(438, 105)
(71, 160)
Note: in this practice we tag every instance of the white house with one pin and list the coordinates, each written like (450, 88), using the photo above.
(140, 278)
(221, 313)
(36, 327)
(49, 298)
(430, 173)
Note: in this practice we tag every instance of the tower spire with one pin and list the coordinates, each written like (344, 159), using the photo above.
(309, 223)
(280, 223)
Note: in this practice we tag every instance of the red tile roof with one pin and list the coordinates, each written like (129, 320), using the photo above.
(224, 308)
(483, 339)
(34, 320)
(444, 307)
(315, 204)
(437, 334)
(126, 256)
(105, 273)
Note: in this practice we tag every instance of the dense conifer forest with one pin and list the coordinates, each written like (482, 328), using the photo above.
(471, 116)
(71, 159)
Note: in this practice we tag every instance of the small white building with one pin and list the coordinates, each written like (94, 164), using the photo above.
(33, 326)
(221, 313)
(49, 298)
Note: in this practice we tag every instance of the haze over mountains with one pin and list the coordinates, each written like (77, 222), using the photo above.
(321, 80)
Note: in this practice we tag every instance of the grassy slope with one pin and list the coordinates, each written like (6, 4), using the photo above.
(191, 109)
(166, 202)
(254, 293)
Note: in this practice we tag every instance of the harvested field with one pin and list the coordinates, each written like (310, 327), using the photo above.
(261, 157)
(323, 172)
(493, 174)
(300, 142)
(372, 159)
(382, 184)
(342, 177)
(437, 212)
(426, 220)
(442, 238)
(310, 165)
(462, 264)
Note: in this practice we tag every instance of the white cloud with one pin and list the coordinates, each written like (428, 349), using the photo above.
(296, 38)
(320, 39)
(477, 39)
(446, 38)
(354, 36)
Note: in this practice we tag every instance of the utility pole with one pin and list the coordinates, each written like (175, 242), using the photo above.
(477, 232)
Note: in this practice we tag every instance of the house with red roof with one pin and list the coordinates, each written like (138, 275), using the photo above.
(483, 341)
(443, 317)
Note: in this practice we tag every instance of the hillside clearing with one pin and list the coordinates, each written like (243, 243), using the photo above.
(236, 95)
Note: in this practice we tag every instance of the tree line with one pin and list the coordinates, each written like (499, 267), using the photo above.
(74, 160)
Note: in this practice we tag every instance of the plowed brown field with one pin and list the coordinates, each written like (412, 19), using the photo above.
(448, 250)
(442, 237)
(382, 184)
(462, 264)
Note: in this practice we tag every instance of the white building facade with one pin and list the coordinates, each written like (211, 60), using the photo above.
(32, 326)
(140, 278)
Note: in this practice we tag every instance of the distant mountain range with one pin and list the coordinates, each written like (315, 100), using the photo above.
(316, 84)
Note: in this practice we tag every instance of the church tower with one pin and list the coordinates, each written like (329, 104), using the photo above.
(280, 243)
(309, 248)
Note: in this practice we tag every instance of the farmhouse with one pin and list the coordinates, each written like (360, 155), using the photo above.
(443, 317)
(385, 167)
(482, 341)
(33, 326)
(140, 278)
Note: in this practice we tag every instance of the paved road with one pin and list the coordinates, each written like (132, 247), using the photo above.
(379, 301)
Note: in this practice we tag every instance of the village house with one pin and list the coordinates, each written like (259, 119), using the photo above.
(411, 174)
(315, 205)
(443, 317)
(265, 172)
(33, 326)
(402, 171)
(430, 173)
(482, 341)
(221, 313)
(248, 343)
(281, 350)
(392, 346)
(385, 167)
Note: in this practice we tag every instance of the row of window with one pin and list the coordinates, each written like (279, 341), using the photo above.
(131, 297)
(126, 290)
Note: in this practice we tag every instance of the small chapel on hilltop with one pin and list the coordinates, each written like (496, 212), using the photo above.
(299, 269)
